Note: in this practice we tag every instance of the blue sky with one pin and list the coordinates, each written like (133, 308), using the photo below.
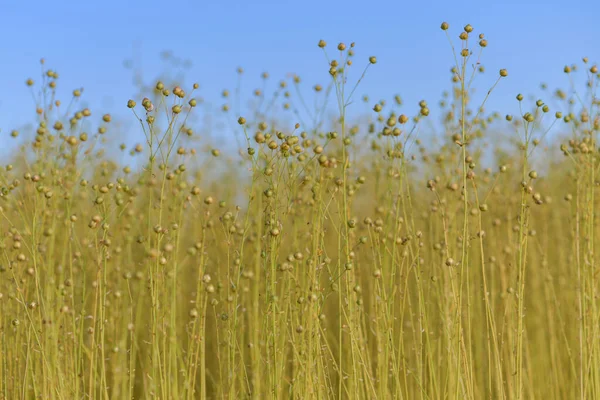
(87, 43)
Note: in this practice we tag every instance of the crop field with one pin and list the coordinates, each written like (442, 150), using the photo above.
(319, 252)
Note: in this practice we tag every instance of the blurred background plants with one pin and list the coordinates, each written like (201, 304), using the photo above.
(306, 255)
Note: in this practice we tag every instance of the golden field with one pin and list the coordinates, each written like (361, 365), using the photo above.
(345, 257)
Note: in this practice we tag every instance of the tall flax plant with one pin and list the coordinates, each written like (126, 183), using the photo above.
(583, 152)
(463, 383)
(531, 122)
(349, 377)
(29, 238)
(161, 147)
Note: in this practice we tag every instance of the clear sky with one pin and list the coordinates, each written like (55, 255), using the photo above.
(88, 41)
